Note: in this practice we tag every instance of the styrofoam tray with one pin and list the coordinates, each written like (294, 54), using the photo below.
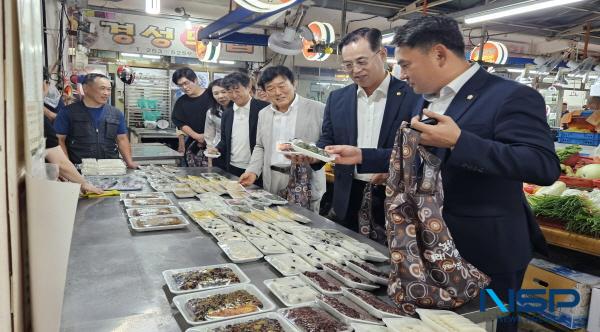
(146, 194)
(269, 283)
(229, 236)
(181, 300)
(311, 154)
(287, 326)
(406, 323)
(296, 263)
(311, 255)
(360, 327)
(363, 273)
(348, 282)
(364, 251)
(327, 277)
(153, 211)
(339, 315)
(289, 241)
(282, 312)
(267, 246)
(293, 215)
(430, 318)
(244, 246)
(369, 308)
(168, 275)
(184, 193)
(338, 254)
(183, 224)
(130, 203)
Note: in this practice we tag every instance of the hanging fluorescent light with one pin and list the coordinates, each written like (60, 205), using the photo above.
(149, 56)
(387, 38)
(131, 55)
(227, 62)
(153, 7)
(188, 24)
(515, 9)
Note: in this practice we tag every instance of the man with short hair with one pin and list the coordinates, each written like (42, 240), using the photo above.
(289, 116)
(364, 114)
(491, 136)
(238, 123)
(91, 128)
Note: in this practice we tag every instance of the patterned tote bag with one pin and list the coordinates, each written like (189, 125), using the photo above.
(427, 269)
(298, 190)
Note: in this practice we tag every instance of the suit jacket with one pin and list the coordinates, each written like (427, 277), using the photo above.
(308, 128)
(505, 141)
(340, 128)
(224, 145)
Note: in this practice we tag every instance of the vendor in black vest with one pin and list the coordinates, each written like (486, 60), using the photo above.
(91, 128)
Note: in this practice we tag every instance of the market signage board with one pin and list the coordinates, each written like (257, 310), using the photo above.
(493, 52)
(156, 36)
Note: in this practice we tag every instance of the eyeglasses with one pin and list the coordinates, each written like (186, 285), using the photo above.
(358, 64)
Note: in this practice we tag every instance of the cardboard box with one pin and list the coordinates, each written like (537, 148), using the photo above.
(594, 320)
(541, 274)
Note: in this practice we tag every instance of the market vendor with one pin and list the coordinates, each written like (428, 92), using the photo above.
(91, 128)
(492, 135)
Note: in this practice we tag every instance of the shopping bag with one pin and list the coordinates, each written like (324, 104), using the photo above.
(299, 191)
(427, 269)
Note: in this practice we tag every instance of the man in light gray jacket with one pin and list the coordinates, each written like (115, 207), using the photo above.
(289, 116)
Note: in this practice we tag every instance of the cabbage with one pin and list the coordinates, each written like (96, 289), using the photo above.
(591, 171)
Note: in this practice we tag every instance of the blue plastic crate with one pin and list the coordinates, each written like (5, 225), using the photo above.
(587, 113)
(566, 137)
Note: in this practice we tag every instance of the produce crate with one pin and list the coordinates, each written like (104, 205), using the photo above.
(565, 239)
(566, 137)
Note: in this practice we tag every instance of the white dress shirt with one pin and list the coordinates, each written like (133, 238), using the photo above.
(240, 133)
(284, 128)
(439, 103)
(369, 115)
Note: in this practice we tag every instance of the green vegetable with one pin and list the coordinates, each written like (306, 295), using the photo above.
(564, 153)
(578, 213)
(591, 171)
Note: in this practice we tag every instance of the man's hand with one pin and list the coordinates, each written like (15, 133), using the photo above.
(90, 188)
(444, 134)
(131, 164)
(345, 154)
(247, 179)
(379, 178)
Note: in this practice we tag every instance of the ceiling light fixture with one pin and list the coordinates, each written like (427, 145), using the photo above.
(515, 9)
(153, 7)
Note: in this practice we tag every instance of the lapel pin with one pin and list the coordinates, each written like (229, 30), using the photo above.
(398, 93)
(469, 97)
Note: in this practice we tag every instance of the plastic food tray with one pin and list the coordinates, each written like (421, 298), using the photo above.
(282, 312)
(152, 211)
(339, 315)
(181, 300)
(348, 282)
(267, 246)
(168, 275)
(142, 202)
(147, 194)
(363, 273)
(310, 153)
(364, 251)
(183, 224)
(369, 308)
(287, 326)
(406, 323)
(327, 277)
(253, 253)
(277, 293)
(300, 265)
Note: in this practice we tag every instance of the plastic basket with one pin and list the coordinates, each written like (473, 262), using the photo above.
(592, 139)
(150, 115)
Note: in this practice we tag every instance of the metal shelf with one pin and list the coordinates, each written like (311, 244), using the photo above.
(150, 84)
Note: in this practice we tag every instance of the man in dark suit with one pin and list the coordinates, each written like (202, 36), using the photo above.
(491, 135)
(365, 114)
(238, 123)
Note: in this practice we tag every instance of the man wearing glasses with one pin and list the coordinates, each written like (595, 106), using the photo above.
(364, 114)
(189, 111)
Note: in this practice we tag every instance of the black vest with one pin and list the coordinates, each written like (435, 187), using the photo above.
(85, 141)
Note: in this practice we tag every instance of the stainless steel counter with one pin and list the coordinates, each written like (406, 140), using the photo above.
(114, 278)
(138, 134)
(155, 153)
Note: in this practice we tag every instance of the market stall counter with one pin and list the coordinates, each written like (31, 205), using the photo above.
(115, 282)
(155, 153)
